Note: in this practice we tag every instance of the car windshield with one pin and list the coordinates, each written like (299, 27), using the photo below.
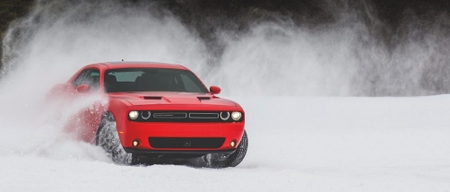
(152, 79)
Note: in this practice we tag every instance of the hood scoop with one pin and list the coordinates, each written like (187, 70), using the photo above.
(203, 98)
(153, 97)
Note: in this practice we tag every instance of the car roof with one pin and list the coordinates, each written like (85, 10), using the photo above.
(139, 64)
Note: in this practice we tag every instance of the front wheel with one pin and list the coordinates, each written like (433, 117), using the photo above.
(219, 160)
(107, 138)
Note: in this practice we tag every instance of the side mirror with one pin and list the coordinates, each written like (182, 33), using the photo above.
(83, 88)
(214, 90)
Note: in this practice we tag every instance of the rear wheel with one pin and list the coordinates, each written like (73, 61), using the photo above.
(107, 137)
(220, 160)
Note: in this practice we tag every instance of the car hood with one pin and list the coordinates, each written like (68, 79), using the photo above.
(171, 98)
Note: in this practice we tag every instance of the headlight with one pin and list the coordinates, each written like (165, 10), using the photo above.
(224, 115)
(236, 115)
(133, 115)
(146, 115)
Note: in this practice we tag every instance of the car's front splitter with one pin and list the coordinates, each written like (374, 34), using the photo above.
(175, 153)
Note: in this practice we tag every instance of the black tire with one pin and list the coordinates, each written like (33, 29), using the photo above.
(107, 138)
(218, 160)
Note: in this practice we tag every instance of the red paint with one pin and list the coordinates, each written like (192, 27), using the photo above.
(86, 122)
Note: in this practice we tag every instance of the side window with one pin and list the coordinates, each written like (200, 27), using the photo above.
(90, 77)
(189, 84)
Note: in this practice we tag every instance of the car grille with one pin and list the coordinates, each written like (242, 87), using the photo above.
(203, 115)
(170, 115)
(182, 116)
(207, 143)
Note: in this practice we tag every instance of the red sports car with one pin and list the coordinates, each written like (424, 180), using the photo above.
(156, 111)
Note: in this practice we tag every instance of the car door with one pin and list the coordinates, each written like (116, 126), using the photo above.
(85, 122)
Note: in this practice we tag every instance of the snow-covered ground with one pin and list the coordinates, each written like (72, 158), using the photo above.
(296, 144)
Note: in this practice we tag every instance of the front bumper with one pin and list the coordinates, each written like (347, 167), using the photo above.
(130, 131)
